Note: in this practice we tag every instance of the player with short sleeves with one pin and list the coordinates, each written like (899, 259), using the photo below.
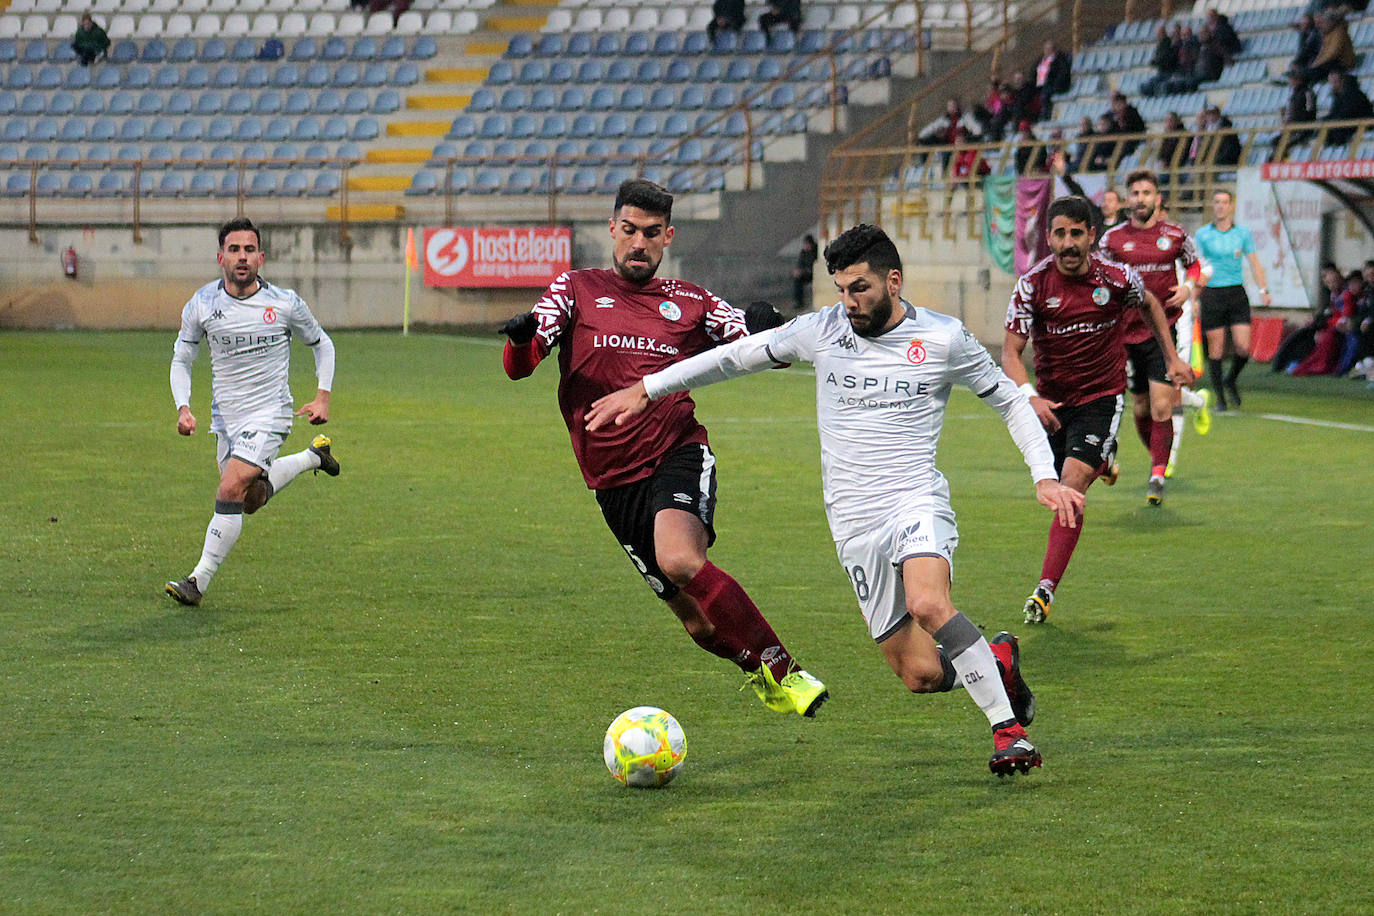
(248, 325)
(1072, 305)
(884, 371)
(655, 481)
(1157, 249)
(1224, 304)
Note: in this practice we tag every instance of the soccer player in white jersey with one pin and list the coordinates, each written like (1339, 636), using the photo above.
(884, 371)
(249, 324)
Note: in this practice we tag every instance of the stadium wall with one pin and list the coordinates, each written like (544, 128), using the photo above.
(124, 284)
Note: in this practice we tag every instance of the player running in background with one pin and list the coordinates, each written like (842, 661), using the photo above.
(1072, 304)
(1156, 248)
(884, 371)
(1223, 300)
(655, 480)
(249, 324)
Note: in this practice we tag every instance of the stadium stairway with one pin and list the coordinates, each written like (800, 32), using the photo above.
(463, 62)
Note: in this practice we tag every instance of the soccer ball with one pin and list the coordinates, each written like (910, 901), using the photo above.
(644, 747)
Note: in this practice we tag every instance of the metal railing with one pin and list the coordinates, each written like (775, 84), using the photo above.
(929, 184)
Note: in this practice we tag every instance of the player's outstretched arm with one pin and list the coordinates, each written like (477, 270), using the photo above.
(520, 356)
(618, 407)
(317, 411)
(1065, 502)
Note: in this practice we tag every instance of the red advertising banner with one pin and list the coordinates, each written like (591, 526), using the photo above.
(1317, 171)
(496, 256)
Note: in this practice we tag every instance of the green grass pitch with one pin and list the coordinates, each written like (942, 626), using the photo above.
(393, 698)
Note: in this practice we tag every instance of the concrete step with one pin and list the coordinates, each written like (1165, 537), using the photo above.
(515, 23)
(449, 102)
(409, 155)
(456, 74)
(361, 212)
(392, 183)
(417, 128)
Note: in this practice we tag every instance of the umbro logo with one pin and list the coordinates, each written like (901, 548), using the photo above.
(605, 302)
(217, 314)
(682, 497)
(847, 342)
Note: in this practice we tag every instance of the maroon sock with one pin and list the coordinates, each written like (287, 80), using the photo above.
(1161, 441)
(1144, 427)
(737, 620)
(1060, 548)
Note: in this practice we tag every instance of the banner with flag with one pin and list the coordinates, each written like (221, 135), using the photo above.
(999, 219)
(1032, 201)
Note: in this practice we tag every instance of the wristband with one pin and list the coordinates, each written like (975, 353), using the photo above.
(1029, 390)
(1263, 291)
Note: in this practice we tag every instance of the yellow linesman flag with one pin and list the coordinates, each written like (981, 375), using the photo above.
(412, 260)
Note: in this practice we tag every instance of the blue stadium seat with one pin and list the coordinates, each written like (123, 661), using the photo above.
(425, 181)
(619, 71)
(783, 96)
(9, 50)
(601, 99)
(464, 126)
(721, 97)
(16, 130)
(649, 71)
(645, 125)
(631, 98)
(61, 102)
(73, 130)
(582, 181)
(9, 102)
(666, 45)
(407, 74)
(171, 184)
(615, 125)
(566, 150)
(767, 70)
(542, 98)
(160, 155)
(735, 124)
(255, 75)
(243, 48)
(161, 129)
(67, 154)
(213, 51)
(238, 103)
(154, 51)
(355, 102)
(597, 151)
(38, 152)
(367, 128)
(521, 45)
(662, 98)
(33, 104)
(531, 71)
(197, 77)
(268, 102)
(708, 71)
(560, 73)
(226, 76)
(550, 45)
(584, 126)
(522, 127)
(103, 130)
(105, 78)
(305, 49)
(124, 51)
(590, 71)
(222, 153)
(501, 73)
(229, 184)
(607, 45)
(334, 48)
(35, 52)
(90, 103)
(202, 184)
(636, 44)
(283, 154)
(277, 129)
(77, 77)
(681, 182)
(477, 150)
(43, 130)
(782, 41)
(519, 181)
(316, 152)
(483, 100)
(572, 99)
(424, 48)
(263, 184)
(294, 183)
(536, 152)
(17, 185)
(150, 103)
(208, 103)
(375, 74)
(725, 43)
(49, 76)
(298, 102)
(393, 47)
(553, 126)
(328, 102)
(444, 149)
(191, 152)
(334, 128)
(111, 184)
(738, 70)
(678, 71)
(676, 125)
(513, 99)
(694, 44)
(364, 48)
(183, 51)
(486, 181)
(317, 75)
(345, 75)
(217, 130)
(690, 152)
(168, 76)
(579, 44)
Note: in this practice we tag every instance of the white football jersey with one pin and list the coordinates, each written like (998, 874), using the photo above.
(880, 403)
(250, 352)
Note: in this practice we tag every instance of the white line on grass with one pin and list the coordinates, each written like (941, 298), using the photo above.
(1330, 424)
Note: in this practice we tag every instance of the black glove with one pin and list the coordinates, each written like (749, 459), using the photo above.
(520, 329)
(761, 316)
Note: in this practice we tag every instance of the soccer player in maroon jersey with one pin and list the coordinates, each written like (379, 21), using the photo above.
(655, 478)
(1154, 247)
(1072, 304)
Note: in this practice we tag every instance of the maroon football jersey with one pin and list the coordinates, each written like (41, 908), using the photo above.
(610, 333)
(1075, 324)
(1153, 252)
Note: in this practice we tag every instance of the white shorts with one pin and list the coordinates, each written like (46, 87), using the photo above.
(873, 560)
(255, 446)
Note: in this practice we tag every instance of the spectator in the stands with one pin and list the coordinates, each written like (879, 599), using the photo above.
(1082, 149)
(781, 12)
(1126, 120)
(1309, 42)
(1364, 326)
(1102, 149)
(1112, 210)
(726, 16)
(1053, 76)
(1348, 102)
(1020, 102)
(397, 7)
(1331, 327)
(1337, 51)
(1224, 32)
(1032, 156)
(1301, 108)
(1212, 57)
(1215, 134)
(1189, 47)
(1172, 147)
(90, 41)
(944, 129)
(1164, 60)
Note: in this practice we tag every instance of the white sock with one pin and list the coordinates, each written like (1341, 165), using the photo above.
(976, 667)
(1190, 397)
(288, 468)
(1178, 436)
(220, 536)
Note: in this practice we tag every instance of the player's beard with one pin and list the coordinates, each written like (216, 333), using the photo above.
(875, 323)
(635, 273)
(1144, 215)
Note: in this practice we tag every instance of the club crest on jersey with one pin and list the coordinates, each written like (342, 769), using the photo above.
(670, 310)
(604, 302)
(269, 315)
(1100, 295)
(1163, 243)
(916, 352)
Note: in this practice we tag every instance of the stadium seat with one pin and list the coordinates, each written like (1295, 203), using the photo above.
(111, 184)
(578, 44)
(464, 126)
(334, 128)
(305, 130)
(67, 155)
(345, 75)
(590, 71)
(636, 44)
(584, 126)
(334, 48)
(615, 125)
(365, 129)
(645, 125)
(238, 103)
(424, 48)
(149, 104)
(33, 104)
(160, 129)
(553, 126)
(522, 127)
(631, 99)
(15, 130)
(200, 184)
(602, 98)
(43, 130)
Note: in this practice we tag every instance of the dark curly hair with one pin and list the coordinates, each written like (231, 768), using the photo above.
(863, 244)
(646, 196)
